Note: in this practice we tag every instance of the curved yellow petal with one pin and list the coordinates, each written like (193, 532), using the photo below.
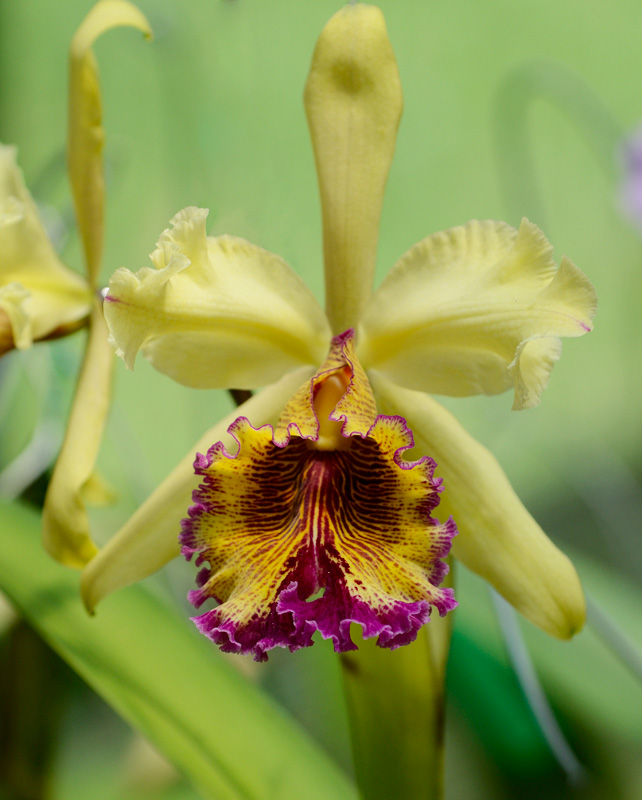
(498, 539)
(149, 539)
(215, 312)
(475, 310)
(86, 135)
(353, 102)
(65, 525)
(39, 296)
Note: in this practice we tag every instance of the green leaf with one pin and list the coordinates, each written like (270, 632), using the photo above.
(583, 674)
(223, 732)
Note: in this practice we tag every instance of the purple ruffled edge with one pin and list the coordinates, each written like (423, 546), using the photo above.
(292, 621)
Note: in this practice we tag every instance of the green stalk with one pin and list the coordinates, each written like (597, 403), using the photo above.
(34, 686)
(559, 86)
(395, 702)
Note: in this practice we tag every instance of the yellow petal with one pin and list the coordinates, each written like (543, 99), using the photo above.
(353, 102)
(149, 539)
(86, 135)
(215, 313)
(476, 309)
(39, 295)
(498, 539)
(65, 529)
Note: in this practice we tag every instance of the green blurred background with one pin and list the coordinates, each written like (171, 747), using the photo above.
(511, 109)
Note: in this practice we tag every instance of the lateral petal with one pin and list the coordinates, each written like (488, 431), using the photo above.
(353, 102)
(475, 310)
(86, 135)
(215, 312)
(39, 295)
(498, 539)
(149, 538)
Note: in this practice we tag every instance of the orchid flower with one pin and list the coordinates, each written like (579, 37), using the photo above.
(59, 297)
(40, 298)
(307, 511)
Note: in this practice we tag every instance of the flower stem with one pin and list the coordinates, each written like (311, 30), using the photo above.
(395, 703)
(554, 83)
(34, 687)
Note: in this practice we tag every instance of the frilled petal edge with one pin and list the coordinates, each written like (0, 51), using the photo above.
(302, 539)
(215, 312)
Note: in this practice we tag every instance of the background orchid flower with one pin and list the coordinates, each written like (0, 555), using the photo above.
(66, 534)
(476, 309)
(631, 189)
(40, 298)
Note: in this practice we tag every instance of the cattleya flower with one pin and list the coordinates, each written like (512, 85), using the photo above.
(307, 513)
(60, 298)
(40, 298)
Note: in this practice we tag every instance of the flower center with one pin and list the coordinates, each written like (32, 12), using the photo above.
(326, 396)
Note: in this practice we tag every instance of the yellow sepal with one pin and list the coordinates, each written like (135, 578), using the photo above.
(65, 525)
(86, 135)
(353, 101)
(39, 296)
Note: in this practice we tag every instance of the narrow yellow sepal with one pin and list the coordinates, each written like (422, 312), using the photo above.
(498, 539)
(353, 102)
(86, 135)
(149, 538)
(65, 525)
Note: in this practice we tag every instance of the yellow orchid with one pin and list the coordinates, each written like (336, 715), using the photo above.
(307, 512)
(65, 523)
(40, 298)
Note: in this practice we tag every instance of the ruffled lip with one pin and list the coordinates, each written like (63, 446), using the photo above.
(300, 540)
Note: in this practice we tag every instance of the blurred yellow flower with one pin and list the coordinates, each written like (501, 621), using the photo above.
(40, 298)
(66, 534)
